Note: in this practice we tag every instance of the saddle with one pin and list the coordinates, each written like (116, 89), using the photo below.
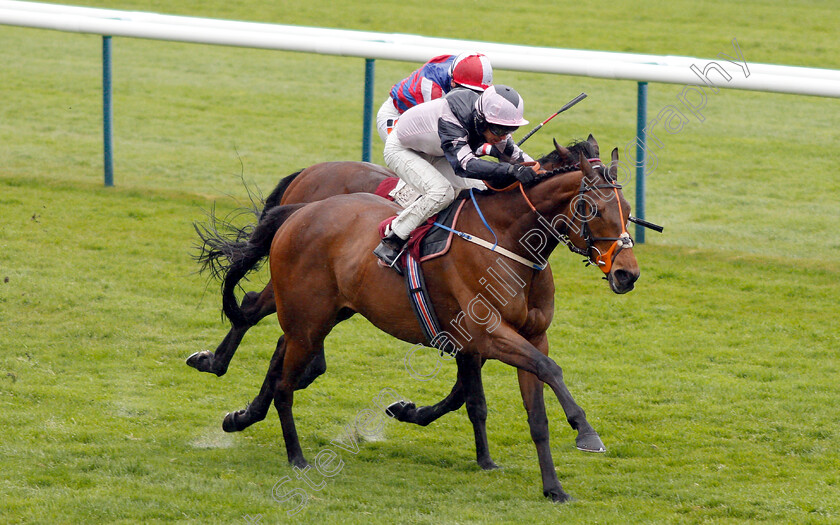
(428, 240)
(425, 242)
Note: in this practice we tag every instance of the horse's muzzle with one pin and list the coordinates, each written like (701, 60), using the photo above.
(621, 280)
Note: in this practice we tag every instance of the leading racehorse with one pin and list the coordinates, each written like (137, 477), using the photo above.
(312, 184)
(244, 249)
(322, 272)
(243, 254)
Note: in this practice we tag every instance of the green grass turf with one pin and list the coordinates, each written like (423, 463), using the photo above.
(713, 384)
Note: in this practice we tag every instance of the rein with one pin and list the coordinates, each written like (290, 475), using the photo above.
(494, 247)
(602, 260)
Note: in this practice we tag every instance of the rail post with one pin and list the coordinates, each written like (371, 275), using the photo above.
(367, 123)
(107, 112)
(641, 118)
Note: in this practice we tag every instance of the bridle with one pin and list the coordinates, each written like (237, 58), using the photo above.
(603, 260)
(594, 256)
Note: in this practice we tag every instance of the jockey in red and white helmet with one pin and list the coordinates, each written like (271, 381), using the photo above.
(434, 79)
(433, 149)
(472, 71)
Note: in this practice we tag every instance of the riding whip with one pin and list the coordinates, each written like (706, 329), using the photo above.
(544, 122)
(646, 224)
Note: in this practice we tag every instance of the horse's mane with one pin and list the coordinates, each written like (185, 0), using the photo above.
(575, 147)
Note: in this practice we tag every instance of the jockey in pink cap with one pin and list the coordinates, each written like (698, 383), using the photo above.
(433, 149)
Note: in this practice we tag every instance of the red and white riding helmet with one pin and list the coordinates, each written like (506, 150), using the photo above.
(501, 105)
(472, 70)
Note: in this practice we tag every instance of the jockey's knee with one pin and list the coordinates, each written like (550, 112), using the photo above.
(442, 195)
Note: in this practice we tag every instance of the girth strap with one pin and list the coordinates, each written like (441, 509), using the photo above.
(420, 302)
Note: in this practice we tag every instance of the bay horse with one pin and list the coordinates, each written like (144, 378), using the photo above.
(322, 272)
(244, 249)
(314, 183)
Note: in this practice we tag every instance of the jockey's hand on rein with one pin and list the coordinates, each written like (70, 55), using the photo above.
(534, 165)
(524, 173)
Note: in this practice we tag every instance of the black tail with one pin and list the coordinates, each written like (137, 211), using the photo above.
(230, 252)
(230, 259)
(276, 194)
(249, 257)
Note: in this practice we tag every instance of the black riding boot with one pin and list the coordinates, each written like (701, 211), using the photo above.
(390, 249)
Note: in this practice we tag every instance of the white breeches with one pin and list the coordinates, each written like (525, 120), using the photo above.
(386, 111)
(432, 177)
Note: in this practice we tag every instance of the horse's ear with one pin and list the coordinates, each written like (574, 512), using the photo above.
(614, 164)
(585, 166)
(565, 153)
(594, 143)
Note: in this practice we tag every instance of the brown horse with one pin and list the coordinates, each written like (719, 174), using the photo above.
(315, 183)
(322, 272)
(312, 184)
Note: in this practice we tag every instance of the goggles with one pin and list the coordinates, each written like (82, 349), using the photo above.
(501, 131)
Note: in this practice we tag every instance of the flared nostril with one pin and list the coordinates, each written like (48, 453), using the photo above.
(624, 278)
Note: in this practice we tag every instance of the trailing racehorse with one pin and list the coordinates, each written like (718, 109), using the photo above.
(322, 272)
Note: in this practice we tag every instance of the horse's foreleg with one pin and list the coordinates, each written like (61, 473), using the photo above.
(587, 439)
(254, 307)
(511, 348)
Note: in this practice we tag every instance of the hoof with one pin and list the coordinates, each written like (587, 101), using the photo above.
(401, 410)
(590, 443)
(230, 424)
(488, 464)
(202, 361)
(300, 463)
(558, 496)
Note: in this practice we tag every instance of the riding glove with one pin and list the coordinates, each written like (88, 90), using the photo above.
(524, 174)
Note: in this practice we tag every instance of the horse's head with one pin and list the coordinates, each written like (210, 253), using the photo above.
(598, 228)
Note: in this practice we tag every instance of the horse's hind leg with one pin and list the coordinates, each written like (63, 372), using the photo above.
(254, 307)
(258, 408)
(297, 357)
(467, 388)
(318, 365)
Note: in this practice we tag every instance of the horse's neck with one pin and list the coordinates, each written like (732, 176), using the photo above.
(553, 196)
(518, 227)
